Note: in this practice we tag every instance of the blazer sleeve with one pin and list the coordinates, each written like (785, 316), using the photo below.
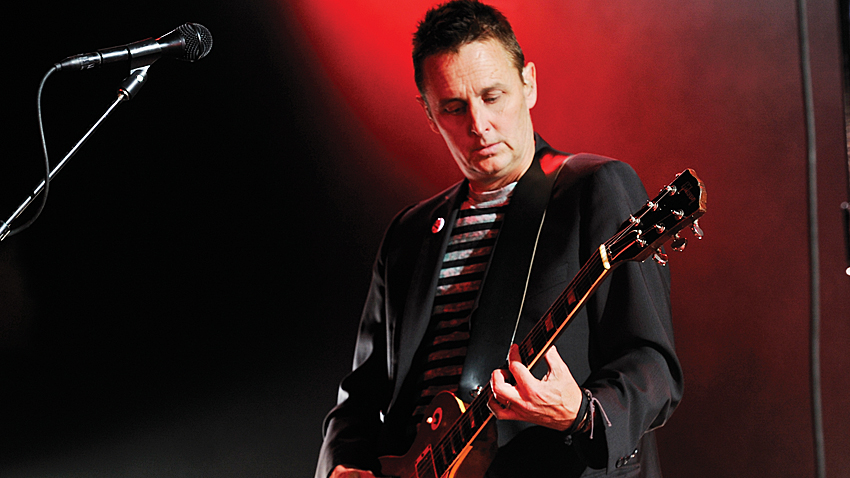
(352, 427)
(635, 373)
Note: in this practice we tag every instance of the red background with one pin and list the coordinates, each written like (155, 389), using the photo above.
(189, 299)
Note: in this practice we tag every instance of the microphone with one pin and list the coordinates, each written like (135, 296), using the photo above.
(188, 42)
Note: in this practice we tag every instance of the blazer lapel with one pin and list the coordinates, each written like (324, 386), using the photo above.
(420, 297)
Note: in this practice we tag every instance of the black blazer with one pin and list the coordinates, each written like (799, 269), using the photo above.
(619, 346)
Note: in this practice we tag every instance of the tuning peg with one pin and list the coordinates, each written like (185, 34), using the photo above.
(660, 257)
(678, 243)
(697, 230)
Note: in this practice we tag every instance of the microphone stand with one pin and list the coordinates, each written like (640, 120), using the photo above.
(126, 91)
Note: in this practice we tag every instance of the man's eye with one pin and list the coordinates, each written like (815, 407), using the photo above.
(491, 99)
(453, 110)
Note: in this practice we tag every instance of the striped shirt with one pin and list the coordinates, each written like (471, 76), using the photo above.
(443, 348)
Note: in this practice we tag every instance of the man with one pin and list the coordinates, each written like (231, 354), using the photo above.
(461, 276)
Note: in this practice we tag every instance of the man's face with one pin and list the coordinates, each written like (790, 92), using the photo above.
(477, 101)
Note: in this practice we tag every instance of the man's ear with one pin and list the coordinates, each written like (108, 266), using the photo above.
(424, 105)
(529, 84)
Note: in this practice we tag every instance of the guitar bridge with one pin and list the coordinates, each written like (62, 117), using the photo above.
(425, 467)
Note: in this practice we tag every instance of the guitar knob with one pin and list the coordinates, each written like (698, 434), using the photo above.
(660, 258)
(678, 243)
(697, 230)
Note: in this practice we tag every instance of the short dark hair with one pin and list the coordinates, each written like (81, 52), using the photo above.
(454, 24)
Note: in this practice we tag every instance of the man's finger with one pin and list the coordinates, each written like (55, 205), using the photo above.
(520, 372)
(504, 393)
(557, 366)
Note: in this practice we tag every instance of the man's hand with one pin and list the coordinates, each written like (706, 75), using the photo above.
(344, 472)
(552, 402)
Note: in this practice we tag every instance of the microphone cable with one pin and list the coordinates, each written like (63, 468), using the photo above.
(44, 192)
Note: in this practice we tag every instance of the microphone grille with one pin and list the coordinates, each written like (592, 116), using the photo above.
(198, 39)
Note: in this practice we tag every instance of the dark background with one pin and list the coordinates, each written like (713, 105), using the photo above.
(187, 302)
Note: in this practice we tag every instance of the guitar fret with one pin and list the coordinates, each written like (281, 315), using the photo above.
(548, 322)
(524, 351)
(565, 310)
(457, 443)
(463, 426)
(571, 297)
(539, 341)
(581, 288)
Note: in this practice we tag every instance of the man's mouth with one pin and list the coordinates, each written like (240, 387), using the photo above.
(488, 150)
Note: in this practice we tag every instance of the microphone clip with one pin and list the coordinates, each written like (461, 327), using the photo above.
(133, 83)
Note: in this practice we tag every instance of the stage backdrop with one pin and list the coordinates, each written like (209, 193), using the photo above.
(188, 301)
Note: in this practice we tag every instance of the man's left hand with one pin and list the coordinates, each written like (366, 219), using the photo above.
(552, 402)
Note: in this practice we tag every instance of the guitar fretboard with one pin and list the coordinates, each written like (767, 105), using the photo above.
(562, 310)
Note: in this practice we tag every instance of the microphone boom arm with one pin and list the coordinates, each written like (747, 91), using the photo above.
(126, 91)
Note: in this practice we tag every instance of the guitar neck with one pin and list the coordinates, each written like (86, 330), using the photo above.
(571, 300)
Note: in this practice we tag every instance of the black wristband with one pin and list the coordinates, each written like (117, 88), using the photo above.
(581, 416)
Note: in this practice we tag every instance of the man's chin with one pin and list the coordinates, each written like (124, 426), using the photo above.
(490, 164)
(491, 168)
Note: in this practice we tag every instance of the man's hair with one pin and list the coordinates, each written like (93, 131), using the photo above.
(454, 24)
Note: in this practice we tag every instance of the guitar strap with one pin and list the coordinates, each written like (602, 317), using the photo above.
(499, 306)
(547, 161)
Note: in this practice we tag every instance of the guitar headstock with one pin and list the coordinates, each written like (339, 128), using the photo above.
(677, 206)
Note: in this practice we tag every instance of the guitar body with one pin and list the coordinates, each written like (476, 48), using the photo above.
(473, 458)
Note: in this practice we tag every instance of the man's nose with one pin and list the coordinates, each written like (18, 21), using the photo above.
(480, 120)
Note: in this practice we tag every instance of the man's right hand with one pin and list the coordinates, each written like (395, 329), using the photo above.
(345, 472)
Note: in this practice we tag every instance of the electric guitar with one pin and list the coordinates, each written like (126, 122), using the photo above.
(458, 440)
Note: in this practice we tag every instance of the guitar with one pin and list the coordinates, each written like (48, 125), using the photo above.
(458, 440)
